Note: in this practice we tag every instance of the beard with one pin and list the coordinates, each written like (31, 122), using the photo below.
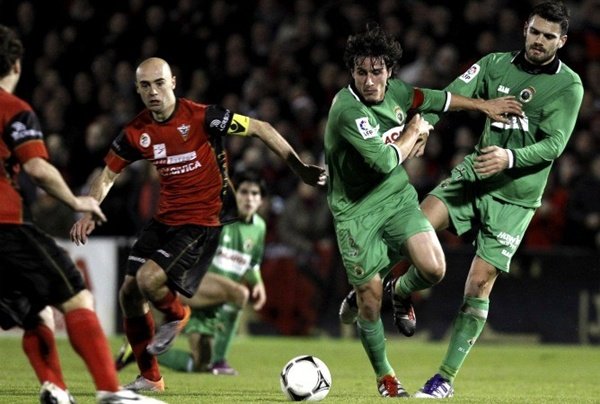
(538, 55)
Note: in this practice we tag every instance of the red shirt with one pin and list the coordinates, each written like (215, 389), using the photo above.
(188, 152)
(20, 140)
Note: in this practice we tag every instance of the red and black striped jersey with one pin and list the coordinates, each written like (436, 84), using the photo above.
(21, 139)
(188, 152)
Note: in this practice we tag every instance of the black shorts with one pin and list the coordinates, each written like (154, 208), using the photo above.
(34, 272)
(183, 252)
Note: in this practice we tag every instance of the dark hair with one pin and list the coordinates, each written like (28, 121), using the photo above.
(11, 49)
(372, 43)
(252, 177)
(553, 11)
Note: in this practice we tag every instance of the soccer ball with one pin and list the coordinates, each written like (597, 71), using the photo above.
(305, 378)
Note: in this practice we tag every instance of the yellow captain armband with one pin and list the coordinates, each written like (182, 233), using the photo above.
(239, 125)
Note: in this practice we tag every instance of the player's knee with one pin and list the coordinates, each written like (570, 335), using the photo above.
(434, 269)
(81, 300)
(241, 294)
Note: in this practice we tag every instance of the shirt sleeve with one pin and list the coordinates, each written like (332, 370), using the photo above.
(121, 153)
(467, 84)
(357, 129)
(556, 128)
(25, 137)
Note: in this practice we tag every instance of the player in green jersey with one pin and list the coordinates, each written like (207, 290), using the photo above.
(497, 188)
(376, 212)
(222, 294)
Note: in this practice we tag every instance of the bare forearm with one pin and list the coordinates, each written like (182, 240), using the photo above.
(50, 180)
(102, 184)
(277, 143)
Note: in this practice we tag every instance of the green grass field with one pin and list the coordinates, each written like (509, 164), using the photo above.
(494, 372)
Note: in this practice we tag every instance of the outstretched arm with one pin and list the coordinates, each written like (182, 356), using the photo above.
(99, 188)
(497, 109)
(48, 177)
(310, 174)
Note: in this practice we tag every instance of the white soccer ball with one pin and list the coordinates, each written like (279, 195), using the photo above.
(305, 378)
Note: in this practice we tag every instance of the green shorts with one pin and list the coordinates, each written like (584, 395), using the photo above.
(501, 225)
(372, 243)
(203, 321)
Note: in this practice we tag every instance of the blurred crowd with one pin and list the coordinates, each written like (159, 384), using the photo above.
(281, 61)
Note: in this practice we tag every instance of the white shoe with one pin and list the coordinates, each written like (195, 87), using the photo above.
(50, 393)
(436, 387)
(124, 397)
(142, 384)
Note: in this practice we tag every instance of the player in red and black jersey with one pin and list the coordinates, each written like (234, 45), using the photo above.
(184, 140)
(34, 271)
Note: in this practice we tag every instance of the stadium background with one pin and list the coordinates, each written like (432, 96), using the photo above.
(281, 61)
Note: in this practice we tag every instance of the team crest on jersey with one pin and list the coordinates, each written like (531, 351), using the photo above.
(248, 244)
(400, 115)
(145, 140)
(470, 74)
(184, 130)
(365, 129)
(160, 151)
(526, 94)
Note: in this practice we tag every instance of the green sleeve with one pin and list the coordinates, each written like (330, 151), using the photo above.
(556, 128)
(357, 127)
(467, 84)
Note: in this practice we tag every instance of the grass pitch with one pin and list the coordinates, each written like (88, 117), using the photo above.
(494, 372)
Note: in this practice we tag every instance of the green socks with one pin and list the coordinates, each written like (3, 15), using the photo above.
(373, 340)
(465, 330)
(177, 359)
(411, 281)
(230, 318)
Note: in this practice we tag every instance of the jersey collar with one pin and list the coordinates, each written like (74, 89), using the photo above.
(550, 68)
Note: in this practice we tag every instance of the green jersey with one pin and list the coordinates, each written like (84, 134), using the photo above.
(362, 162)
(551, 96)
(240, 250)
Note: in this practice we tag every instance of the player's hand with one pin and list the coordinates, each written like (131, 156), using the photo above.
(259, 296)
(491, 160)
(313, 175)
(82, 229)
(88, 204)
(500, 109)
(419, 148)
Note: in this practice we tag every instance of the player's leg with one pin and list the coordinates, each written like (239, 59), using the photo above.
(364, 254)
(216, 289)
(40, 348)
(410, 230)
(182, 260)
(229, 319)
(138, 323)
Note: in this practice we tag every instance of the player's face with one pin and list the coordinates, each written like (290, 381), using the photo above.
(543, 38)
(248, 199)
(370, 78)
(155, 84)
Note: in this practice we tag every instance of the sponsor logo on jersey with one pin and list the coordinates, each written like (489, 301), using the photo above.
(526, 94)
(391, 135)
(160, 151)
(181, 158)
(230, 260)
(470, 74)
(20, 132)
(239, 125)
(176, 170)
(184, 130)
(248, 244)
(145, 140)
(365, 129)
(515, 123)
(503, 89)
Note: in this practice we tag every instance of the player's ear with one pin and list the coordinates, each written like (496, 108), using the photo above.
(562, 41)
(174, 82)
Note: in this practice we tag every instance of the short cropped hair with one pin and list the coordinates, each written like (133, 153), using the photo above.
(252, 177)
(553, 11)
(11, 49)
